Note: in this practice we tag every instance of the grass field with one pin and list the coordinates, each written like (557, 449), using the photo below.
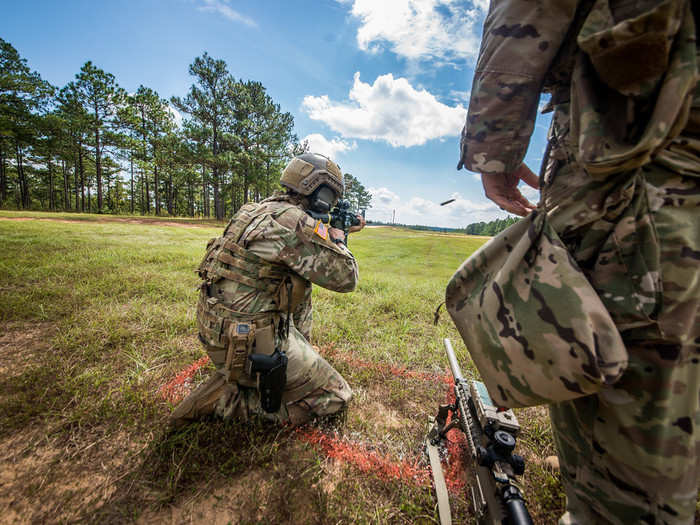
(97, 316)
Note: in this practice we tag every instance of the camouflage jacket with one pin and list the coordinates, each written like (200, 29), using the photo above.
(285, 236)
(532, 47)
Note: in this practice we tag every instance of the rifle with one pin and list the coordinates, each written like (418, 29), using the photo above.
(491, 433)
(342, 217)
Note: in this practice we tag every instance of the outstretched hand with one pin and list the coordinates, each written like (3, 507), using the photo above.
(358, 227)
(502, 188)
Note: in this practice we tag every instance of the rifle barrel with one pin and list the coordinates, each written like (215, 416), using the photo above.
(452, 358)
(518, 513)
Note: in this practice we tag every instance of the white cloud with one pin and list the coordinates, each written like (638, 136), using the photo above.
(223, 8)
(330, 148)
(442, 31)
(177, 116)
(417, 210)
(383, 198)
(460, 96)
(390, 110)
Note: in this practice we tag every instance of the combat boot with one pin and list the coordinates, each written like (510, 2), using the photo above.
(202, 401)
(552, 463)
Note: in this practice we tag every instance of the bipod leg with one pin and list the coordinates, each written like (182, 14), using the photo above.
(431, 442)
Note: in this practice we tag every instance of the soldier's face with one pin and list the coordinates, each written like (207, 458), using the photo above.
(323, 199)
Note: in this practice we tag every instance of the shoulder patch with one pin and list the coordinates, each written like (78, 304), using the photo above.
(321, 230)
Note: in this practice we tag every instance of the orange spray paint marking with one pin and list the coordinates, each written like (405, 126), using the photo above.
(365, 460)
(457, 448)
(175, 389)
(361, 457)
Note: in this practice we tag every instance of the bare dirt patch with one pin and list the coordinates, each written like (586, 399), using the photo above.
(20, 342)
(232, 503)
(46, 477)
(48, 473)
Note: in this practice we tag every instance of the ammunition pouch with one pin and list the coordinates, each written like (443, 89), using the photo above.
(291, 293)
(240, 344)
(223, 332)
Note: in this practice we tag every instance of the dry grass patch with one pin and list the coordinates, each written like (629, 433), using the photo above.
(98, 316)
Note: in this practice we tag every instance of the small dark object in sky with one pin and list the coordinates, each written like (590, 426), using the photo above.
(447, 202)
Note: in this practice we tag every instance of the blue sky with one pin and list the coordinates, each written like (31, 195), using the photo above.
(380, 85)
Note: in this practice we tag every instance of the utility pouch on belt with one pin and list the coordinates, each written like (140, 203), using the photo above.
(290, 293)
(533, 324)
(271, 371)
(644, 65)
(240, 343)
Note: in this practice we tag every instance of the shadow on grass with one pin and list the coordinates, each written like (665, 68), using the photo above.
(27, 396)
(253, 472)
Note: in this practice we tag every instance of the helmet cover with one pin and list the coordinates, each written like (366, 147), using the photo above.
(308, 171)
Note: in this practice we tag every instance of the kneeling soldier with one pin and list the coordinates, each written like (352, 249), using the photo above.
(254, 309)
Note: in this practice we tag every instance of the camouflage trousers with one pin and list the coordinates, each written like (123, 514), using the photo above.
(314, 388)
(631, 453)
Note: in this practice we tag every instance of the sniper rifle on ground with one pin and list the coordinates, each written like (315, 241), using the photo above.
(490, 433)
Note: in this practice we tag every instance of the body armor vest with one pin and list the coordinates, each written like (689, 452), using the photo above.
(227, 334)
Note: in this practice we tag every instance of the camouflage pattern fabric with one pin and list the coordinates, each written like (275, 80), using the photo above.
(282, 235)
(630, 453)
(530, 47)
(303, 315)
(525, 309)
(520, 41)
(609, 84)
(314, 388)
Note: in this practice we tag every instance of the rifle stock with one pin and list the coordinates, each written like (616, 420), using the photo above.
(491, 435)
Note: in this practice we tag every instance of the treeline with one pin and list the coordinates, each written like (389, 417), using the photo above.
(417, 227)
(478, 228)
(490, 228)
(90, 146)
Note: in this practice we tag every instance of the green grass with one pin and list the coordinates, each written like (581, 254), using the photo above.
(389, 317)
(101, 314)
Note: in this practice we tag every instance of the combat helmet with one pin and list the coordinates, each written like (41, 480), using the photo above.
(306, 172)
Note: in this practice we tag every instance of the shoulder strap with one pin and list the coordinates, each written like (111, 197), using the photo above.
(558, 77)
(251, 211)
(242, 219)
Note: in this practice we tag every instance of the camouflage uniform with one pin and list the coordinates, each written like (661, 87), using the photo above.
(271, 253)
(629, 454)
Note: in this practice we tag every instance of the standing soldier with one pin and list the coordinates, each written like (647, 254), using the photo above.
(254, 309)
(621, 185)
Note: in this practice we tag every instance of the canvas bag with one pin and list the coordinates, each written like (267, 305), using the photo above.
(533, 324)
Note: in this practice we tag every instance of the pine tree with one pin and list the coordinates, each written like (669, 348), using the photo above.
(209, 103)
(99, 94)
(22, 95)
(355, 192)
